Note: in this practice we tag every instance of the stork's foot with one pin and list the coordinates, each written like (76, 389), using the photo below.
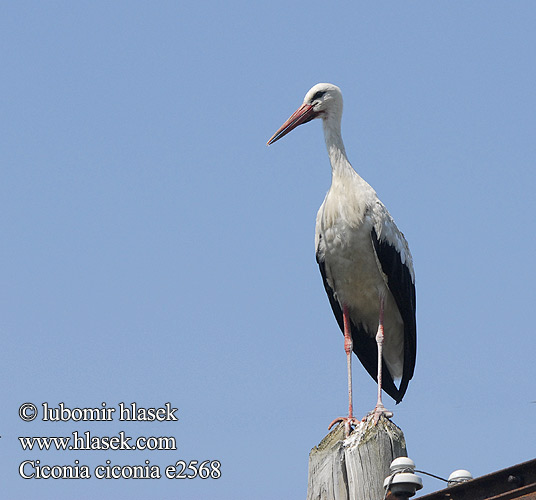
(379, 411)
(349, 424)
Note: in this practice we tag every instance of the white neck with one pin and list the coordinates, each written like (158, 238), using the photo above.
(337, 154)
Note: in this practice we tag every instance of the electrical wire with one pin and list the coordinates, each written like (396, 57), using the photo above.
(411, 471)
(432, 475)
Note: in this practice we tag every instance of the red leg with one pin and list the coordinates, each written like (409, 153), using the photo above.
(350, 420)
(380, 409)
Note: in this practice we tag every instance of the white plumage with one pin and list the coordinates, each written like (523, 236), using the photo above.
(364, 260)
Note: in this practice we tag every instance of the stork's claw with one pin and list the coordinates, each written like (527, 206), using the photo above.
(349, 424)
(379, 411)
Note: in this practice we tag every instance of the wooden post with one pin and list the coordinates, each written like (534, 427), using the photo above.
(354, 468)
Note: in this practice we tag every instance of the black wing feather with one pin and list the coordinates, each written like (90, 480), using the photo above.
(402, 288)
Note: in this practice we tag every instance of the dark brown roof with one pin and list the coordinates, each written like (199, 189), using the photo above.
(517, 482)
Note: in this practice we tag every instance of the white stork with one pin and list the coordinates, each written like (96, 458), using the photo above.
(364, 260)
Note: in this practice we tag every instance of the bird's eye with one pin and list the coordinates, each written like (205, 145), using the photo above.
(318, 95)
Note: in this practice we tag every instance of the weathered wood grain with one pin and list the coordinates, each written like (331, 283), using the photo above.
(354, 468)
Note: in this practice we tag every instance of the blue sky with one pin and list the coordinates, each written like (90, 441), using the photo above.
(155, 250)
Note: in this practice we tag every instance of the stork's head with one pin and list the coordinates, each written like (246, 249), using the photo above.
(324, 101)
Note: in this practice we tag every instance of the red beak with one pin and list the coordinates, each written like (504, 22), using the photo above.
(303, 114)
